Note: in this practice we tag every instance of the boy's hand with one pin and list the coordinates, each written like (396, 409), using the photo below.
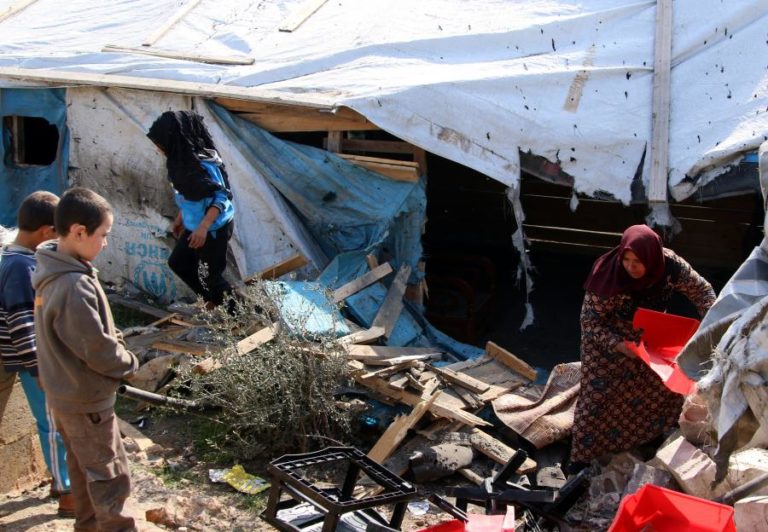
(197, 237)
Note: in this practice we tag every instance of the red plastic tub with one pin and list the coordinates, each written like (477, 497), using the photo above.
(663, 510)
(664, 336)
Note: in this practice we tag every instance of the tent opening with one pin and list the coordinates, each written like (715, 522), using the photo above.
(32, 141)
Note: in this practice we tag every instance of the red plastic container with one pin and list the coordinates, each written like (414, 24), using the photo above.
(664, 336)
(663, 510)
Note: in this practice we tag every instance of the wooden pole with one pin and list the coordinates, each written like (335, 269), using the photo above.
(162, 30)
(657, 191)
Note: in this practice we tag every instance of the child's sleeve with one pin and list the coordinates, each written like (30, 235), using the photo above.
(82, 330)
(20, 307)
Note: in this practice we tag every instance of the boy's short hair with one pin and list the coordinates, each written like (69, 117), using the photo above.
(81, 206)
(36, 210)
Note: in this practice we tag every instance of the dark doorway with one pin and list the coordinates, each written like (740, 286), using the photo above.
(33, 141)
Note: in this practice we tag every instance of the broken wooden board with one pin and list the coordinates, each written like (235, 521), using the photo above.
(398, 430)
(511, 361)
(281, 268)
(141, 341)
(365, 336)
(180, 346)
(393, 302)
(462, 379)
(496, 450)
(244, 346)
(361, 282)
(153, 372)
(398, 360)
(373, 352)
(129, 431)
(500, 378)
(297, 18)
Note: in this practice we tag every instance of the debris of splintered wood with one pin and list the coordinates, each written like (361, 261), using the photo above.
(398, 430)
(510, 360)
(393, 302)
(278, 270)
(141, 341)
(153, 372)
(499, 377)
(465, 381)
(368, 353)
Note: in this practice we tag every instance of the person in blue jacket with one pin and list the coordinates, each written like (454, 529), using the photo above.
(204, 223)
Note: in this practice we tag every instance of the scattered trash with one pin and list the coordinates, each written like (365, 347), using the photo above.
(237, 477)
(418, 507)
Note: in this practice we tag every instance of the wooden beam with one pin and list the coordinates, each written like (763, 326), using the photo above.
(176, 17)
(197, 58)
(246, 345)
(398, 360)
(398, 430)
(393, 169)
(662, 70)
(281, 268)
(511, 361)
(393, 302)
(298, 18)
(208, 90)
(377, 146)
(496, 450)
(354, 286)
(369, 352)
(465, 381)
(18, 7)
(334, 141)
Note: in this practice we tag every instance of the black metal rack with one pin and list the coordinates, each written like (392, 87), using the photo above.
(332, 503)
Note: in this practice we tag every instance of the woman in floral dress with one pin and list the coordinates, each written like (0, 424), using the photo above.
(622, 402)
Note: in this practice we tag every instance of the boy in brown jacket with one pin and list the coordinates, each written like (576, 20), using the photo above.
(82, 359)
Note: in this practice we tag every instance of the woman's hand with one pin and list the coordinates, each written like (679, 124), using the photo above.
(624, 349)
(197, 237)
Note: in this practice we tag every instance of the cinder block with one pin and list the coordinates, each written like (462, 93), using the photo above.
(751, 513)
(693, 470)
(645, 474)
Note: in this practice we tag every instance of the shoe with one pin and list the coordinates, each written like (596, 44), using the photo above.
(66, 505)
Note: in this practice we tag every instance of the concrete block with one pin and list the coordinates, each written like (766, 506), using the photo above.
(693, 470)
(16, 421)
(751, 513)
(21, 464)
(748, 465)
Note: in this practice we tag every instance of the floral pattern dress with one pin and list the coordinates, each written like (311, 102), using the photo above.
(622, 402)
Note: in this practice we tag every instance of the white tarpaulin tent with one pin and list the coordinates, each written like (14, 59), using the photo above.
(476, 81)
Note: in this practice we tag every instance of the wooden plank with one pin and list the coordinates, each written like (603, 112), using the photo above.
(293, 118)
(386, 372)
(377, 146)
(176, 17)
(465, 381)
(333, 143)
(145, 444)
(496, 450)
(136, 305)
(206, 90)
(662, 70)
(379, 160)
(197, 58)
(180, 346)
(246, 345)
(472, 400)
(511, 361)
(281, 268)
(398, 430)
(145, 340)
(362, 337)
(18, 7)
(393, 302)
(398, 360)
(361, 282)
(298, 18)
(368, 352)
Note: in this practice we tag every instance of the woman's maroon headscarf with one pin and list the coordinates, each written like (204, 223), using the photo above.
(608, 276)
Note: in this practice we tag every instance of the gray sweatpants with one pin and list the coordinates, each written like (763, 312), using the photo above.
(98, 470)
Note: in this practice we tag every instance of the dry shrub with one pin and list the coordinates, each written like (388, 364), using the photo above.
(280, 398)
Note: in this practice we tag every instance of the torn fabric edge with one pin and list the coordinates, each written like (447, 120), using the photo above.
(525, 268)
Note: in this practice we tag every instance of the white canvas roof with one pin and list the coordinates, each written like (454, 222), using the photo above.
(474, 81)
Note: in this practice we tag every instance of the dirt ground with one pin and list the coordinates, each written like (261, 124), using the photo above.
(172, 484)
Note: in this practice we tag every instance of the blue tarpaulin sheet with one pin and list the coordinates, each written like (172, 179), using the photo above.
(351, 212)
(17, 181)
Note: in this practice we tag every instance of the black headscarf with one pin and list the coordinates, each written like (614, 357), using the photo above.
(186, 141)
